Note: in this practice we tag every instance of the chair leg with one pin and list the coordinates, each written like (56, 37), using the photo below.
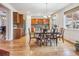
(59, 39)
(40, 42)
(50, 42)
(56, 42)
(29, 41)
(37, 41)
(63, 39)
(46, 42)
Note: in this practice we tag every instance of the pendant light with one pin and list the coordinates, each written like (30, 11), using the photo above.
(45, 10)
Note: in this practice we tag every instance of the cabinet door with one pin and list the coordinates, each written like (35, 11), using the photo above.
(16, 33)
(21, 19)
(16, 17)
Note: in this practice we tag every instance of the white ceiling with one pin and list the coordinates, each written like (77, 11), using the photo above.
(39, 9)
(3, 10)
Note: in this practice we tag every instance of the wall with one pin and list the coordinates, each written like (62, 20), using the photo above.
(71, 35)
(50, 23)
(9, 26)
(28, 23)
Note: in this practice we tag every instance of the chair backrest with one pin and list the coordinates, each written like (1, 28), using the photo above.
(55, 30)
(62, 30)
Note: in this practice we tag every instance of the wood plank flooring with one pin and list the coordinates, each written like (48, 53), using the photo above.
(20, 47)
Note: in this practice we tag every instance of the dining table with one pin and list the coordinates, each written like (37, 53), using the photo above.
(49, 34)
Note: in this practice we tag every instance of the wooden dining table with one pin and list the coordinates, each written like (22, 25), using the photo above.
(49, 35)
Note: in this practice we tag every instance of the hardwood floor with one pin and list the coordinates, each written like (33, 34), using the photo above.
(16, 47)
(20, 47)
(63, 49)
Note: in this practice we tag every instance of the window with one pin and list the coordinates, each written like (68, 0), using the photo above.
(53, 19)
(71, 19)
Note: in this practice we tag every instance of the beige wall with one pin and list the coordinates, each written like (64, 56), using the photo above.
(71, 35)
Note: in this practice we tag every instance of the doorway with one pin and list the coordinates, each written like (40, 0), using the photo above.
(3, 22)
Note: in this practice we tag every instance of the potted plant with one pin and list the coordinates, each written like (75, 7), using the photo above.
(77, 45)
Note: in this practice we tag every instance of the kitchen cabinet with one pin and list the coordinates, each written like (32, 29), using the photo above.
(21, 19)
(18, 22)
(15, 17)
(16, 33)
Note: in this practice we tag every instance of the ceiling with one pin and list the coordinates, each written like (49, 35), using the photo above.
(3, 10)
(39, 9)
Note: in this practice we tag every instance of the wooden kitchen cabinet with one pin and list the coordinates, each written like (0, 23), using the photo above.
(15, 17)
(18, 25)
(17, 33)
(21, 19)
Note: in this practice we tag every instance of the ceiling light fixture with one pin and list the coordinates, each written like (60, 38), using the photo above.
(46, 11)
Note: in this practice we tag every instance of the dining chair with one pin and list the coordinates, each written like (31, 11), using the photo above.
(61, 34)
(50, 38)
(45, 39)
(54, 37)
(38, 39)
(29, 36)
